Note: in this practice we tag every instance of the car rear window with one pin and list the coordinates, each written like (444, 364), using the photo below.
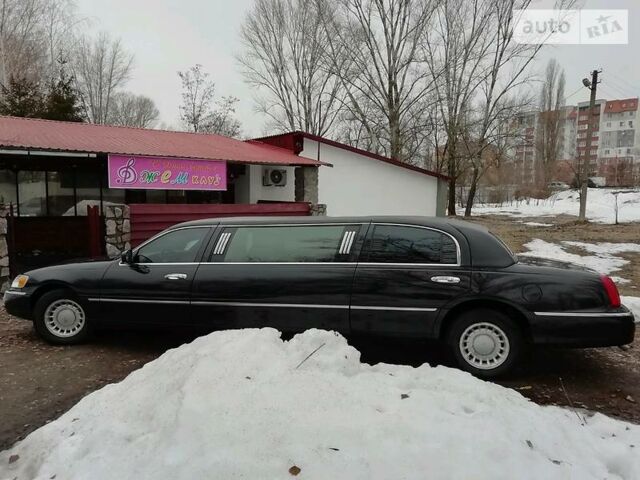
(404, 244)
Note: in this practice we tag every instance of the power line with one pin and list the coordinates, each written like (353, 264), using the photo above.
(574, 93)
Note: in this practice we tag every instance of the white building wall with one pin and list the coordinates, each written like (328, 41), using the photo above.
(361, 185)
(249, 188)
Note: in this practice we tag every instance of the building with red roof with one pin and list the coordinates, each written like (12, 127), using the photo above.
(135, 182)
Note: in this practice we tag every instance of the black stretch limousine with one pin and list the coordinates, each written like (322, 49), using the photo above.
(415, 277)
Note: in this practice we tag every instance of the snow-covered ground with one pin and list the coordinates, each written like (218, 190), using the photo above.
(604, 257)
(600, 206)
(245, 404)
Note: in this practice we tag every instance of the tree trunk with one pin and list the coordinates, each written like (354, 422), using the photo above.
(472, 192)
(451, 167)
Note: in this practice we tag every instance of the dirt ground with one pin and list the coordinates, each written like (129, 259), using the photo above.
(39, 382)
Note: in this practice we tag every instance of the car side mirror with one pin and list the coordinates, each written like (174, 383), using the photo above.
(127, 257)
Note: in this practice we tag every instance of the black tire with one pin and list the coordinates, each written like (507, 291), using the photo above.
(55, 332)
(493, 331)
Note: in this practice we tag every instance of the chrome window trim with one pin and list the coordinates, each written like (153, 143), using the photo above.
(221, 244)
(365, 264)
(268, 305)
(424, 227)
(160, 264)
(161, 234)
(583, 314)
(138, 300)
(394, 309)
(343, 243)
(278, 263)
(329, 224)
(312, 305)
(352, 236)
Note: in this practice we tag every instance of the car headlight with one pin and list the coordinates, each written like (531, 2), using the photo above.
(20, 281)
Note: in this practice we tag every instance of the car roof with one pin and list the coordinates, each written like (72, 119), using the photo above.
(482, 248)
(436, 222)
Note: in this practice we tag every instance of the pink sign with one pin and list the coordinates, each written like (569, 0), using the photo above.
(164, 173)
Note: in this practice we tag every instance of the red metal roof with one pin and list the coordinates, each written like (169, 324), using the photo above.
(619, 106)
(37, 134)
(292, 141)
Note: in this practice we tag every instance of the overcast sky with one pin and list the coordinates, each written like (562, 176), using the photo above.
(170, 35)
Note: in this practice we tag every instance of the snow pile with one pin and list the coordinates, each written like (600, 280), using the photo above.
(245, 404)
(538, 224)
(600, 206)
(83, 205)
(604, 258)
(633, 304)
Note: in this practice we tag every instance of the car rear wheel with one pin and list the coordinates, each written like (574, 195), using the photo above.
(485, 342)
(60, 318)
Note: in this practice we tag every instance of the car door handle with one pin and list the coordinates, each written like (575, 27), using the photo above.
(176, 276)
(445, 279)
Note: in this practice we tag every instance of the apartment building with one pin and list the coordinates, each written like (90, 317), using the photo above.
(528, 141)
(619, 152)
(615, 143)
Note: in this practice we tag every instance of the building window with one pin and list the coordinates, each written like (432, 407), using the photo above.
(61, 198)
(608, 124)
(32, 193)
(87, 191)
(622, 124)
(8, 187)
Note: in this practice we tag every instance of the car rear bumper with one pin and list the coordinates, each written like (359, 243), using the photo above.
(18, 304)
(584, 329)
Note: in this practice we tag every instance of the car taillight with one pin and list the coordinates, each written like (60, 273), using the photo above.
(612, 291)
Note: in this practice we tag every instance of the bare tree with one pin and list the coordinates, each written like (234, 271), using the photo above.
(22, 49)
(33, 34)
(455, 49)
(550, 122)
(198, 100)
(285, 58)
(374, 52)
(130, 110)
(506, 72)
(101, 67)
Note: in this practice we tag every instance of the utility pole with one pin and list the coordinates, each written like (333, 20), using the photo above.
(584, 171)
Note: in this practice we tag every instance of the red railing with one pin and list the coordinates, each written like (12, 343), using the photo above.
(148, 219)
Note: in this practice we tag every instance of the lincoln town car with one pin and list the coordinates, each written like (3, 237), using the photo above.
(413, 277)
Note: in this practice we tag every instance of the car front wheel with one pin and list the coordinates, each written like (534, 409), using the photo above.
(486, 343)
(59, 318)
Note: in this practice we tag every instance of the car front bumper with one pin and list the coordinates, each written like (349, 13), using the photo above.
(584, 329)
(18, 303)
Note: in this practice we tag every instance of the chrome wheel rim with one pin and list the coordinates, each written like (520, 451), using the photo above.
(64, 318)
(484, 346)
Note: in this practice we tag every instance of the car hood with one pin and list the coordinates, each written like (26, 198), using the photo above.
(546, 262)
(55, 271)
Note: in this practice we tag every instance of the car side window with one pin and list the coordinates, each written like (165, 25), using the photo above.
(290, 243)
(400, 244)
(177, 246)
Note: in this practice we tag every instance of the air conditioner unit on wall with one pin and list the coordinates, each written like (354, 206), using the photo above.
(274, 177)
